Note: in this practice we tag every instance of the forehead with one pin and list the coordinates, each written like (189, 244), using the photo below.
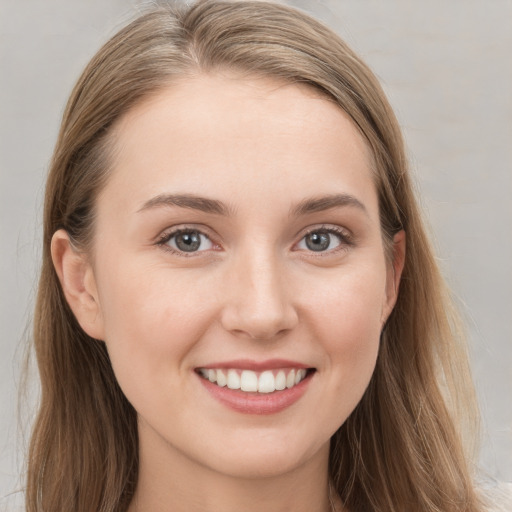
(238, 139)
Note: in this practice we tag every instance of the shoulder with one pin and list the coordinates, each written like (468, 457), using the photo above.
(497, 496)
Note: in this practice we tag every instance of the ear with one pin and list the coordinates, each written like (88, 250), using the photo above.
(394, 273)
(76, 277)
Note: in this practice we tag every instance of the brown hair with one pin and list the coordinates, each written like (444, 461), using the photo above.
(401, 448)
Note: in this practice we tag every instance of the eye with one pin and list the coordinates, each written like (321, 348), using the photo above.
(323, 240)
(186, 240)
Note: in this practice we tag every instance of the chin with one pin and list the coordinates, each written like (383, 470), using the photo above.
(267, 459)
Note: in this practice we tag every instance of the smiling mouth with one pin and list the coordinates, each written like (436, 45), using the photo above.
(267, 381)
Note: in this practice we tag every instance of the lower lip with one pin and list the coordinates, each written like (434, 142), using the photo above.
(257, 403)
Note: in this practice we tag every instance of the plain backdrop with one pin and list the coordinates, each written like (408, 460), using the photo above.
(446, 67)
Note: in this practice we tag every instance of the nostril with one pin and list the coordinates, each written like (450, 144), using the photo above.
(261, 327)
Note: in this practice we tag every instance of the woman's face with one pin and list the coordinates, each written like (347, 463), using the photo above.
(238, 241)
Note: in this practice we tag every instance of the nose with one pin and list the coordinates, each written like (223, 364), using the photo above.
(258, 301)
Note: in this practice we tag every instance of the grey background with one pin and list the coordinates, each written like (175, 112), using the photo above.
(446, 67)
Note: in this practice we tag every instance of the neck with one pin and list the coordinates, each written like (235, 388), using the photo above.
(170, 481)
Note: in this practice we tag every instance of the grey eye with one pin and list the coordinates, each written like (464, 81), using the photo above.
(190, 241)
(319, 241)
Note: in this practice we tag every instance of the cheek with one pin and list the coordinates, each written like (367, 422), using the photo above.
(346, 317)
(152, 320)
(349, 302)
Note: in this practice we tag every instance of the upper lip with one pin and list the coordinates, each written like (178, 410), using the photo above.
(257, 366)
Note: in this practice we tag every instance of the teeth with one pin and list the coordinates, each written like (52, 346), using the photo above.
(290, 379)
(266, 382)
(249, 381)
(299, 375)
(233, 379)
(222, 379)
(280, 380)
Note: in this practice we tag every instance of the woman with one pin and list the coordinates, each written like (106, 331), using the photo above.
(238, 306)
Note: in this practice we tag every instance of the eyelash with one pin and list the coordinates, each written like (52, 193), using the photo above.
(345, 239)
(164, 239)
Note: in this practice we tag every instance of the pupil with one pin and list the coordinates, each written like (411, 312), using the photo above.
(317, 241)
(188, 242)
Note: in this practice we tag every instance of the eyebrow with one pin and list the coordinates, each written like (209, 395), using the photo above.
(213, 206)
(320, 204)
(190, 201)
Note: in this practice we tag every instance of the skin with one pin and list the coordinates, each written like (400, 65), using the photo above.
(254, 290)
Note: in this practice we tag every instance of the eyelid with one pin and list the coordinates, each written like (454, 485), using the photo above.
(346, 238)
(164, 237)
